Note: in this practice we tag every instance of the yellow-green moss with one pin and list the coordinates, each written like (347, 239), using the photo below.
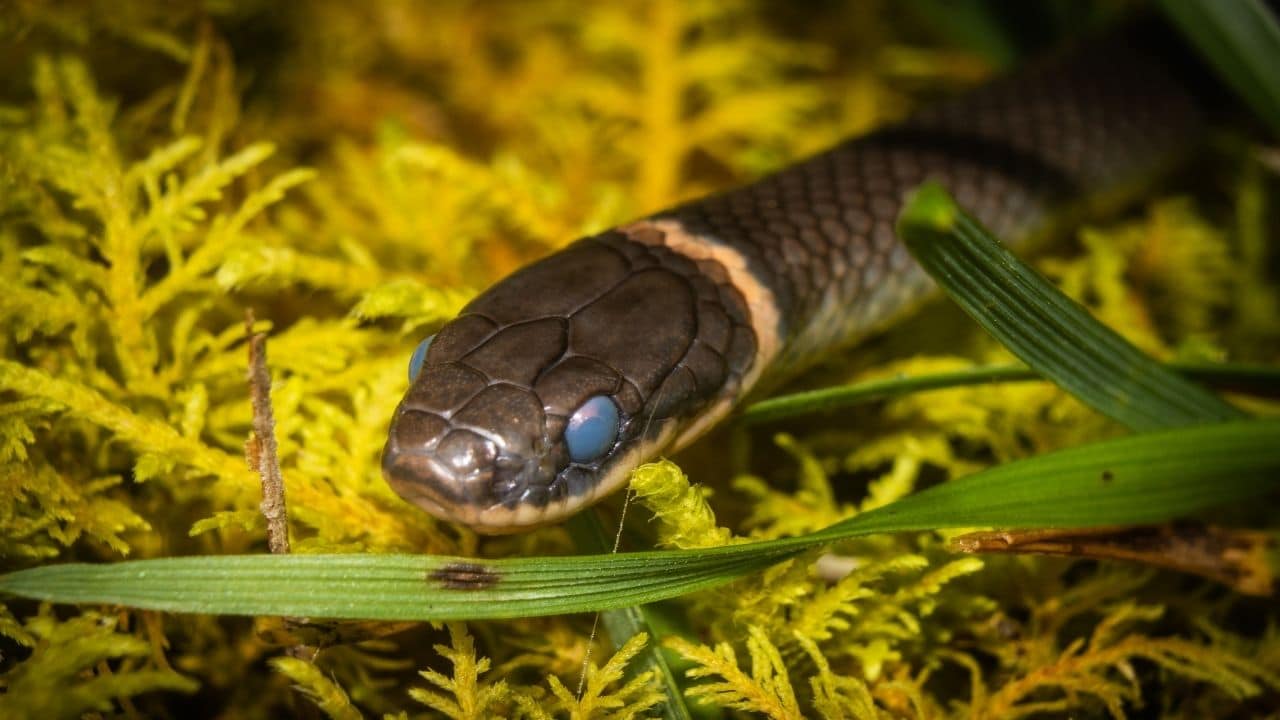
(354, 172)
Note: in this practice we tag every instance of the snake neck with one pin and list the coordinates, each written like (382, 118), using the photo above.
(670, 321)
(818, 238)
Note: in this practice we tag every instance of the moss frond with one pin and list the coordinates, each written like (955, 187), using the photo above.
(876, 614)
(829, 607)
(12, 628)
(766, 689)
(355, 173)
(318, 688)
(1167, 275)
(43, 511)
(633, 699)
(542, 646)
(811, 507)
(684, 519)
(469, 698)
(69, 671)
(836, 697)
(411, 301)
(1101, 669)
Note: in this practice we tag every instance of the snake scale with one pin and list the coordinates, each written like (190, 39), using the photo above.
(551, 386)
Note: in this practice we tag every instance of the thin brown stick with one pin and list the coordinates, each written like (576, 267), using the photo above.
(1237, 558)
(303, 637)
(261, 450)
(263, 455)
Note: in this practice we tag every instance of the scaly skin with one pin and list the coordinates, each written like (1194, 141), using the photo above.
(677, 316)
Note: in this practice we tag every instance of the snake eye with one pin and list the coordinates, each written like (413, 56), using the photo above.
(592, 429)
(419, 357)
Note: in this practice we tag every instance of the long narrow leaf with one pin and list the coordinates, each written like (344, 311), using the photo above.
(1149, 477)
(1258, 380)
(1241, 39)
(1043, 327)
(622, 624)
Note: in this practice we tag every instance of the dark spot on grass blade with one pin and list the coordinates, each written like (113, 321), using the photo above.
(1108, 476)
(464, 576)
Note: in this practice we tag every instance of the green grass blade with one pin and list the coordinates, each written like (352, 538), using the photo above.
(1044, 328)
(1260, 380)
(1149, 477)
(622, 624)
(1145, 478)
(1241, 39)
(1132, 481)
(840, 397)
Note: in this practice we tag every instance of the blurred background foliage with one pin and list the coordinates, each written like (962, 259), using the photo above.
(355, 171)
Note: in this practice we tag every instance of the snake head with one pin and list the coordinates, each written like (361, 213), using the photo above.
(552, 385)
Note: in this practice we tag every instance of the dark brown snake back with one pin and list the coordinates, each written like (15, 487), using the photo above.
(820, 234)
(671, 320)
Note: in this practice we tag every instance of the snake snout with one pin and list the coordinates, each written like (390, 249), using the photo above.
(444, 469)
(472, 456)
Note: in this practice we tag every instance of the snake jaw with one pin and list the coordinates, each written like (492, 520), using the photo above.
(480, 452)
(460, 476)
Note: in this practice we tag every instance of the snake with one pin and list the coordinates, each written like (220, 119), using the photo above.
(551, 386)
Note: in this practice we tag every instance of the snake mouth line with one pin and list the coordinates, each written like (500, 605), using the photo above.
(494, 519)
(503, 518)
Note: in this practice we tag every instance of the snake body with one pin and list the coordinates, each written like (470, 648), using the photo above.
(675, 317)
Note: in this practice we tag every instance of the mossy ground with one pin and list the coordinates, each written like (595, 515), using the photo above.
(355, 172)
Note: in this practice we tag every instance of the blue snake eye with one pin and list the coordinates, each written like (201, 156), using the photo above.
(419, 357)
(592, 429)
